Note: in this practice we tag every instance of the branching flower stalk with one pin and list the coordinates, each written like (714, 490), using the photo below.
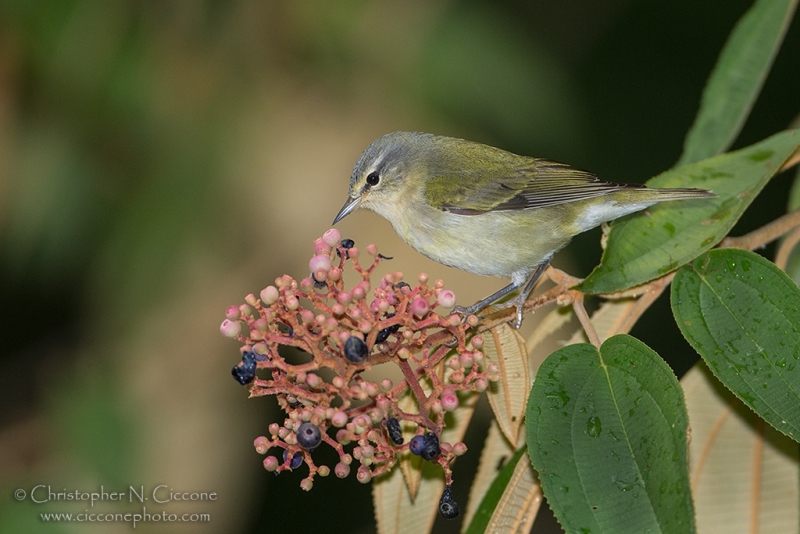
(343, 333)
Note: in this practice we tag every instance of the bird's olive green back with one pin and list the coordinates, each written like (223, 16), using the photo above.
(472, 178)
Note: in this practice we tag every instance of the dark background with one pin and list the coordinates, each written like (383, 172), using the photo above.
(160, 160)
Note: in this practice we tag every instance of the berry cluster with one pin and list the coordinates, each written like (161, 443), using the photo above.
(341, 333)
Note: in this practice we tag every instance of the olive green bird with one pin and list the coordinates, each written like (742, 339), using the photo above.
(485, 210)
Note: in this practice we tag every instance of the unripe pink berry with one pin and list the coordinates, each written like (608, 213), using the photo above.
(419, 306)
(341, 470)
(466, 360)
(384, 405)
(292, 303)
(261, 445)
(273, 429)
(321, 247)
(372, 250)
(423, 278)
(307, 284)
(332, 237)
(477, 342)
(358, 293)
(449, 400)
(313, 380)
(232, 313)
(306, 484)
(386, 384)
(321, 275)
(271, 463)
(339, 419)
(364, 475)
(456, 377)
(324, 470)
(335, 274)
(343, 436)
(353, 252)
(251, 299)
(320, 262)
(454, 362)
(459, 449)
(436, 407)
(230, 328)
(481, 385)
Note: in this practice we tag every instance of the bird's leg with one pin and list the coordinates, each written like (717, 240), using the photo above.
(481, 304)
(520, 299)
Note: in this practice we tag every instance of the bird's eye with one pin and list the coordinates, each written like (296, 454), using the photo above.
(373, 178)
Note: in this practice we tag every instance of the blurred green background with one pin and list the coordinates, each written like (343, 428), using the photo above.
(160, 160)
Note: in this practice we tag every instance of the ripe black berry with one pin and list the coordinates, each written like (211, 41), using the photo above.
(416, 444)
(448, 508)
(430, 447)
(355, 350)
(393, 428)
(246, 372)
(297, 459)
(308, 436)
(384, 333)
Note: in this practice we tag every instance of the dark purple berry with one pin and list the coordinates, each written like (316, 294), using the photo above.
(430, 447)
(346, 244)
(317, 283)
(416, 444)
(246, 372)
(393, 428)
(384, 333)
(355, 350)
(308, 436)
(448, 508)
(297, 459)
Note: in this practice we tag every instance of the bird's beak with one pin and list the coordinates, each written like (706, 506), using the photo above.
(349, 206)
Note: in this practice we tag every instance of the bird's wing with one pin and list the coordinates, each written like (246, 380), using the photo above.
(538, 184)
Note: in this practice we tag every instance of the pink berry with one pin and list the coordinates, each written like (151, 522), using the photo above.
(332, 237)
(446, 298)
(320, 262)
(339, 419)
(419, 306)
(230, 328)
(449, 400)
(232, 313)
(321, 247)
(341, 470)
(271, 463)
(261, 445)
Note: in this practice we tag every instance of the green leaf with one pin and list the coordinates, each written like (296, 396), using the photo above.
(737, 79)
(607, 433)
(489, 502)
(742, 314)
(645, 246)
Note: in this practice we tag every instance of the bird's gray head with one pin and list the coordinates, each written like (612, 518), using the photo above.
(379, 171)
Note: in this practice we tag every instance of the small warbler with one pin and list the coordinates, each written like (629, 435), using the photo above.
(485, 210)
